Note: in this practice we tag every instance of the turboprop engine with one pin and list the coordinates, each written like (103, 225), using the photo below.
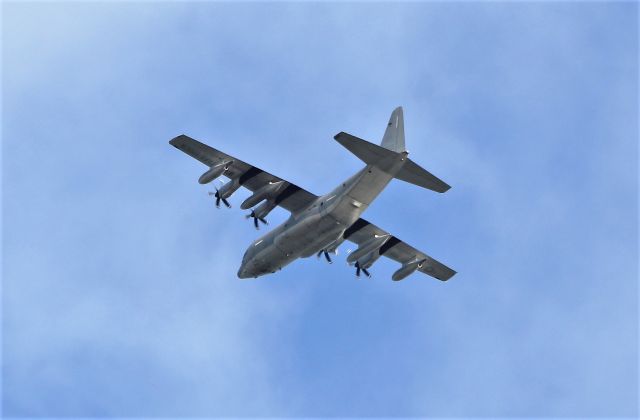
(260, 212)
(367, 247)
(214, 172)
(367, 253)
(268, 191)
(225, 192)
(365, 262)
(331, 248)
(407, 268)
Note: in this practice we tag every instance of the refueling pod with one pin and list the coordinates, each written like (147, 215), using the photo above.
(407, 269)
(214, 172)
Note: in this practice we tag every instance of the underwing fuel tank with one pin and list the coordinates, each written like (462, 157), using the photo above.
(407, 269)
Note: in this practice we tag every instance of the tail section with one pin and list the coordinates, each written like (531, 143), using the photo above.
(394, 134)
(386, 156)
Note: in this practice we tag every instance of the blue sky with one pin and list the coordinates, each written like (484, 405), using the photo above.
(119, 287)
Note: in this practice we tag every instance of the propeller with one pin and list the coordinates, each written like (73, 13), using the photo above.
(359, 268)
(256, 219)
(219, 198)
(326, 255)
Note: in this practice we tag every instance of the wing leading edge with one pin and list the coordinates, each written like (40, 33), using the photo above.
(291, 198)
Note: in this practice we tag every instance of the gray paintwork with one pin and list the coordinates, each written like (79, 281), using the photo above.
(322, 223)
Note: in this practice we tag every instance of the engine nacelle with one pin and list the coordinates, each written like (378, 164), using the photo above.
(332, 248)
(268, 191)
(367, 260)
(407, 269)
(229, 188)
(214, 172)
(263, 209)
(367, 247)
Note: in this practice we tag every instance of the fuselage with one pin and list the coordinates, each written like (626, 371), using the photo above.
(320, 225)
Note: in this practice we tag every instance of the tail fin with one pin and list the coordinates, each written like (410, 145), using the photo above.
(394, 134)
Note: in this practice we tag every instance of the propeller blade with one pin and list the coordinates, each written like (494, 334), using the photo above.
(263, 220)
(357, 269)
(364, 270)
(226, 203)
(319, 253)
(326, 255)
(255, 219)
(217, 196)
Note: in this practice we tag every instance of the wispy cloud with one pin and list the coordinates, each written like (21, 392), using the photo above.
(120, 296)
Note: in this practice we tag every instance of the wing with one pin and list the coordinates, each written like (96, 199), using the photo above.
(292, 197)
(363, 231)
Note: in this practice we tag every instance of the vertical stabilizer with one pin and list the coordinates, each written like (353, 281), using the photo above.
(394, 135)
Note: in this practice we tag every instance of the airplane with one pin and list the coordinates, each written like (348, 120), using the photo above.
(318, 225)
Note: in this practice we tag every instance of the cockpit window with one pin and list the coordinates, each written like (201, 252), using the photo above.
(246, 256)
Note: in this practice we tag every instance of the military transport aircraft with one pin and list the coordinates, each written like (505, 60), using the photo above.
(319, 224)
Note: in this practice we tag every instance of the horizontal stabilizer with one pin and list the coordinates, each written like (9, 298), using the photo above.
(416, 175)
(383, 158)
(369, 153)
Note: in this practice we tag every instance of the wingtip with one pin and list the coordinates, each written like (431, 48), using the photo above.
(174, 140)
(446, 278)
(179, 140)
(445, 188)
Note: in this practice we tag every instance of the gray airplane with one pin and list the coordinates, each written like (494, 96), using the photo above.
(319, 224)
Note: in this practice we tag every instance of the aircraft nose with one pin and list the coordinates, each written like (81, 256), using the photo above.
(245, 271)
